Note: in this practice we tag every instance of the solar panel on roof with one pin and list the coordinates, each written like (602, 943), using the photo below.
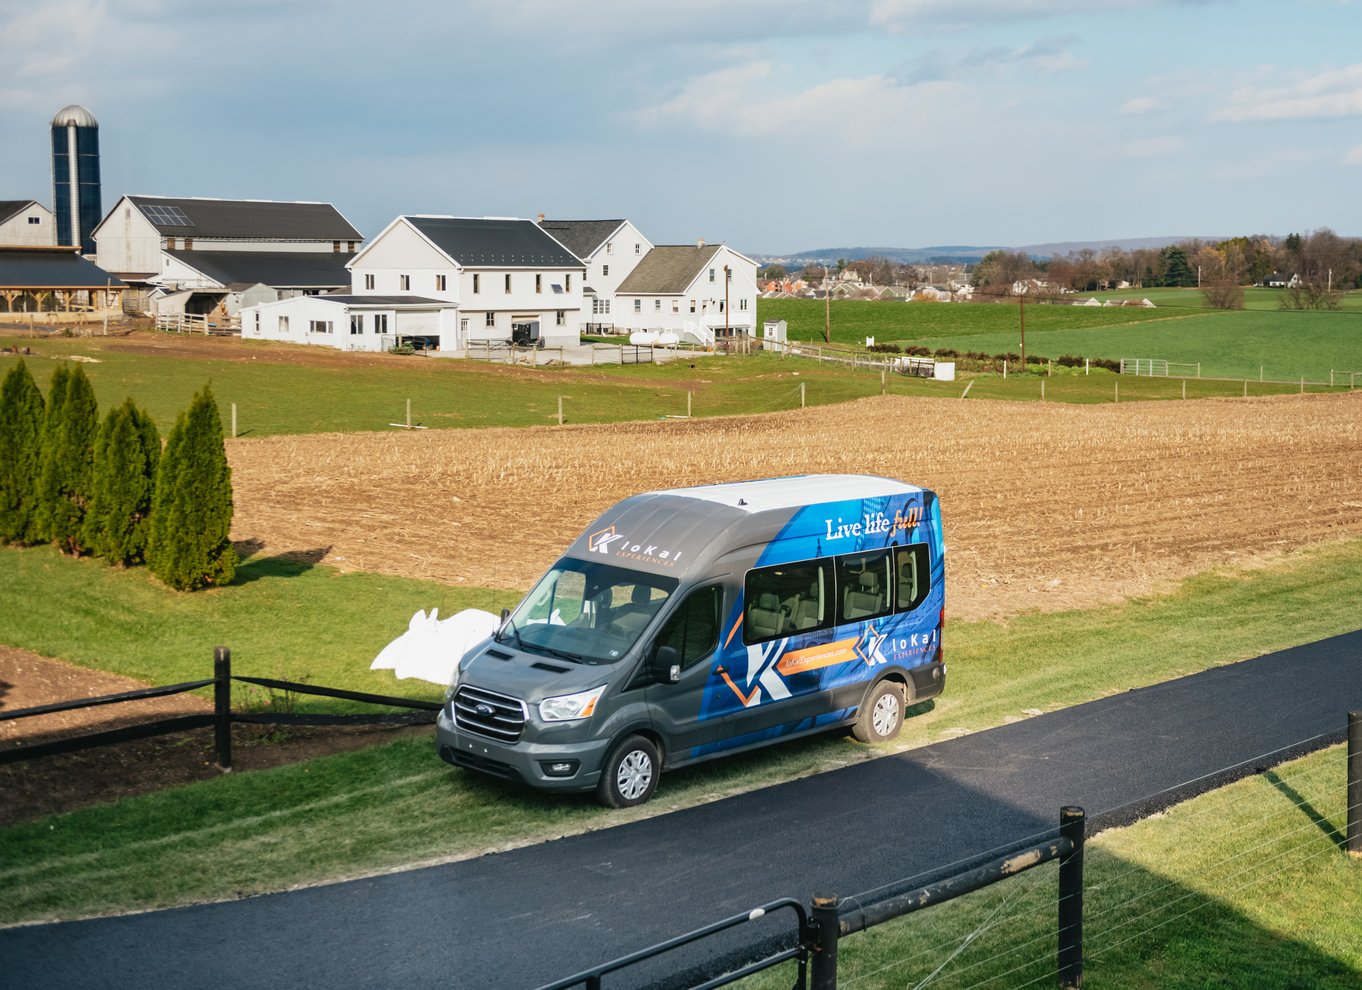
(171, 216)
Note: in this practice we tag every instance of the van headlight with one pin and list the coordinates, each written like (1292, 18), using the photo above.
(570, 707)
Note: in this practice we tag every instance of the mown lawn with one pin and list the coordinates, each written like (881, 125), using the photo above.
(398, 804)
(276, 391)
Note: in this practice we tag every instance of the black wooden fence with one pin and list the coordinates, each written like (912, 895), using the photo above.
(222, 717)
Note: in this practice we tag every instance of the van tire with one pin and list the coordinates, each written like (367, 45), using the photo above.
(881, 717)
(630, 774)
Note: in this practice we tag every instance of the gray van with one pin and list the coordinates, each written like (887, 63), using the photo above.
(687, 624)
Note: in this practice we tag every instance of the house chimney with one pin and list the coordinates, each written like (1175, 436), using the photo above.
(700, 243)
(541, 219)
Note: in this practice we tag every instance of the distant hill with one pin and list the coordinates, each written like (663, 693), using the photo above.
(965, 253)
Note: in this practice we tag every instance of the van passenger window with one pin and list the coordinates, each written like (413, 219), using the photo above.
(863, 580)
(787, 599)
(693, 629)
(913, 574)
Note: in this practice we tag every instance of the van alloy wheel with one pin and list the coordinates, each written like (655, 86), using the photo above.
(884, 717)
(630, 773)
(635, 774)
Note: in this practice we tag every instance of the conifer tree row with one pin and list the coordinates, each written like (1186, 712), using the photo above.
(126, 455)
(21, 430)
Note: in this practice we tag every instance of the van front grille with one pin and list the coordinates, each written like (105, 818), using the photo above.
(498, 716)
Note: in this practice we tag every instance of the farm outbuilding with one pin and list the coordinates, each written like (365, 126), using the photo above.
(55, 281)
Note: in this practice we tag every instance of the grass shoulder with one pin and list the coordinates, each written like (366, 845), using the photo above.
(395, 806)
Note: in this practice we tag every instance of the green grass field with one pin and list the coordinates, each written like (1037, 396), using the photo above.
(279, 393)
(398, 804)
(1280, 346)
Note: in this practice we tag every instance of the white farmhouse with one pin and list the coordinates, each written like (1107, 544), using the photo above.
(26, 223)
(611, 250)
(698, 292)
(216, 255)
(441, 283)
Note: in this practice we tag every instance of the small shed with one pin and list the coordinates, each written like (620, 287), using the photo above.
(55, 280)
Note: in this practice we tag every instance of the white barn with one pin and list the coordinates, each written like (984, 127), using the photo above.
(26, 223)
(611, 250)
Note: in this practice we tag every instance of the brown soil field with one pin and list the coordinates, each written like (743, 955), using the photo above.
(1045, 506)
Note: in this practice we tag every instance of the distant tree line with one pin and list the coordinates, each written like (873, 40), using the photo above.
(1322, 263)
(108, 489)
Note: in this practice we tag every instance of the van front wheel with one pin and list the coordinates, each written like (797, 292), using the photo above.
(629, 776)
(881, 716)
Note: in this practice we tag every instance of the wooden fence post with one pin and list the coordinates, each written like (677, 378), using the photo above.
(222, 706)
(233, 420)
(1071, 826)
(560, 410)
(801, 395)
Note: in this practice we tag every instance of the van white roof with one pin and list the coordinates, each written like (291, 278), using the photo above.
(792, 492)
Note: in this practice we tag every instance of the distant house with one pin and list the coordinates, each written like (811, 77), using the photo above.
(442, 283)
(54, 280)
(26, 223)
(611, 250)
(1281, 280)
(216, 255)
(698, 292)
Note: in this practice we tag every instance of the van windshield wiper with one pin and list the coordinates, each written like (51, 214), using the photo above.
(561, 654)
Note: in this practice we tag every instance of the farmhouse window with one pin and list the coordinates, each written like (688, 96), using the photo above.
(711, 274)
(440, 283)
(477, 282)
(676, 305)
(35, 219)
(562, 318)
(319, 326)
(508, 281)
(609, 247)
(638, 305)
(491, 319)
(356, 323)
(368, 281)
(692, 305)
(404, 282)
(283, 324)
(538, 283)
(380, 323)
(657, 305)
(605, 270)
(567, 281)
(638, 249)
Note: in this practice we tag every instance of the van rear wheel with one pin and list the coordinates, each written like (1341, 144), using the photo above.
(881, 716)
(629, 776)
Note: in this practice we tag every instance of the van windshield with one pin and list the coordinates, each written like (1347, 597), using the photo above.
(587, 612)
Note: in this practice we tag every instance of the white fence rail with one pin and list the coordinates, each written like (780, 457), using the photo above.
(222, 326)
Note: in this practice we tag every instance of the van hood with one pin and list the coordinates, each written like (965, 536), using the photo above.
(532, 677)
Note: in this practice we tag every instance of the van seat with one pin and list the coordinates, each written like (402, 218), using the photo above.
(806, 610)
(765, 618)
(865, 598)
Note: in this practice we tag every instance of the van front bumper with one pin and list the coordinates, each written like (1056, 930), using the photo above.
(537, 763)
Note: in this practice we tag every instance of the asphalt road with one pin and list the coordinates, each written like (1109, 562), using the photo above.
(526, 917)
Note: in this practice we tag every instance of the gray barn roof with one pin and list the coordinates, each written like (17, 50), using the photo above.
(667, 270)
(45, 268)
(246, 219)
(581, 237)
(503, 243)
(13, 207)
(280, 269)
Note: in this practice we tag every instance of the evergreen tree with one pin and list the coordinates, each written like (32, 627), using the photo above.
(68, 456)
(21, 433)
(126, 454)
(191, 511)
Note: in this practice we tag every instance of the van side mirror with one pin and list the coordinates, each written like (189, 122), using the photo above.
(667, 665)
(505, 614)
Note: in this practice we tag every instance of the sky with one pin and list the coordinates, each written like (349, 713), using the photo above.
(776, 126)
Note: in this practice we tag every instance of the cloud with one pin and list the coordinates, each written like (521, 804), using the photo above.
(745, 101)
(1044, 57)
(901, 15)
(1140, 104)
(1155, 147)
(1333, 93)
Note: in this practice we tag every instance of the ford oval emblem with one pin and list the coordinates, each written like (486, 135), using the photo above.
(484, 709)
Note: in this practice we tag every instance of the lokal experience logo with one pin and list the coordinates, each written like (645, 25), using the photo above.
(613, 543)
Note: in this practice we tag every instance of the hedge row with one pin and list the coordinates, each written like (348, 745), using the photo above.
(109, 489)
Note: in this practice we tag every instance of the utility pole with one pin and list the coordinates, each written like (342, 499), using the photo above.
(1021, 314)
(728, 275)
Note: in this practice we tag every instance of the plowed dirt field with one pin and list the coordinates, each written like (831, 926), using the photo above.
(1045, 506)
